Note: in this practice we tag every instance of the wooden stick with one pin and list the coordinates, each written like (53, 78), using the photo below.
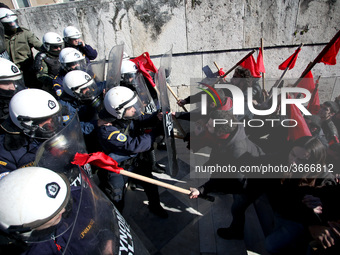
(263, 74)
(238, 63)
(159, 183)
(175, 96)
(218, 68)
(284, 72)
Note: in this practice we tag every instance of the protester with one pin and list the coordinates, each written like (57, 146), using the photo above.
(228, 143)
(327, 111)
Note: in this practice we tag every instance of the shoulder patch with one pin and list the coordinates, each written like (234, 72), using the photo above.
(66, 118)
(121, 137)
(58, 92)
(3, 163)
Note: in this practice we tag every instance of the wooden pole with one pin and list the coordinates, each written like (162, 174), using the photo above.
(175, 96)
(238, 63)
(159, 183)
(284, 72)
(263, 74)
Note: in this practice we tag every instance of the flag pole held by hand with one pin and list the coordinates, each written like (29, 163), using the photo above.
(104, 161)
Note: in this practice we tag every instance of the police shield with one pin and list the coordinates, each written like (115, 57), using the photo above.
(58, 152)
(113, 75)
(97, 70)
(167, 121)
(90, 224)
(139, 85)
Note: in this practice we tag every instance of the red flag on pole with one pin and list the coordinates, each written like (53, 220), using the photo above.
(145, 65)
(250, 64)
(259, 62)
(308, 83)
(301, 129)
(330, 57)
(98, 159)
(292, 58)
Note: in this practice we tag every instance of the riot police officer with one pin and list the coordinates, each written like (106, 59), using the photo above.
(34, 116)
(46, 62)
(11, 81)
(121, 136)
(82, 95)
(19, 44)
(72, 38)
(70, 59)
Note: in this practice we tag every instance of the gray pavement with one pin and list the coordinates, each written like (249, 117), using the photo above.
(192, 224)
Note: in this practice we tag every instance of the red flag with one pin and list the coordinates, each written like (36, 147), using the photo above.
(259, 62)
(330, 57)
(301, 129)
(314, 103)
(292, 58)
(250, 64)
(98, 159)
(221, 72)
(307, 82)
(145, 65)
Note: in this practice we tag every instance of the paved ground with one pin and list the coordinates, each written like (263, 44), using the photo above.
(192, 224)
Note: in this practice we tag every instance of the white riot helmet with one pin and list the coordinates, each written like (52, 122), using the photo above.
(52, 42)
(71, 32)
(120, 99)
(9, 19)
(80, 85)
(30, 197)
(72, 59)
(36, 112)
(128, 72)
(11, 77)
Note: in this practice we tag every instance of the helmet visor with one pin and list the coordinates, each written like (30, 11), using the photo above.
(42, 128)
(86, 91)
(76, 65)
(11, 85)
(133, 108)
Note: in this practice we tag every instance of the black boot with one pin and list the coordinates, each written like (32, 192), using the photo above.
(155, 166)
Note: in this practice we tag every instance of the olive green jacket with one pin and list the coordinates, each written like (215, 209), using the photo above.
(19, 45)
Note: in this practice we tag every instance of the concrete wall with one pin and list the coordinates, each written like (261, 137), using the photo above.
(201, 32)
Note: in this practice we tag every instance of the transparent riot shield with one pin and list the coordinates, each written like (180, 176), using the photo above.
(57, 152)
(139, 85)
(113, 70)
(166, 63)
(97, 70)
(167, 121)
(90, 224)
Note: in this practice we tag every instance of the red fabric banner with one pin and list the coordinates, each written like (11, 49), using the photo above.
(301, 129)
(259, 62)
(98, 159)
(330, 57)
(250, 64)
(145, 65)
(293, 57)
